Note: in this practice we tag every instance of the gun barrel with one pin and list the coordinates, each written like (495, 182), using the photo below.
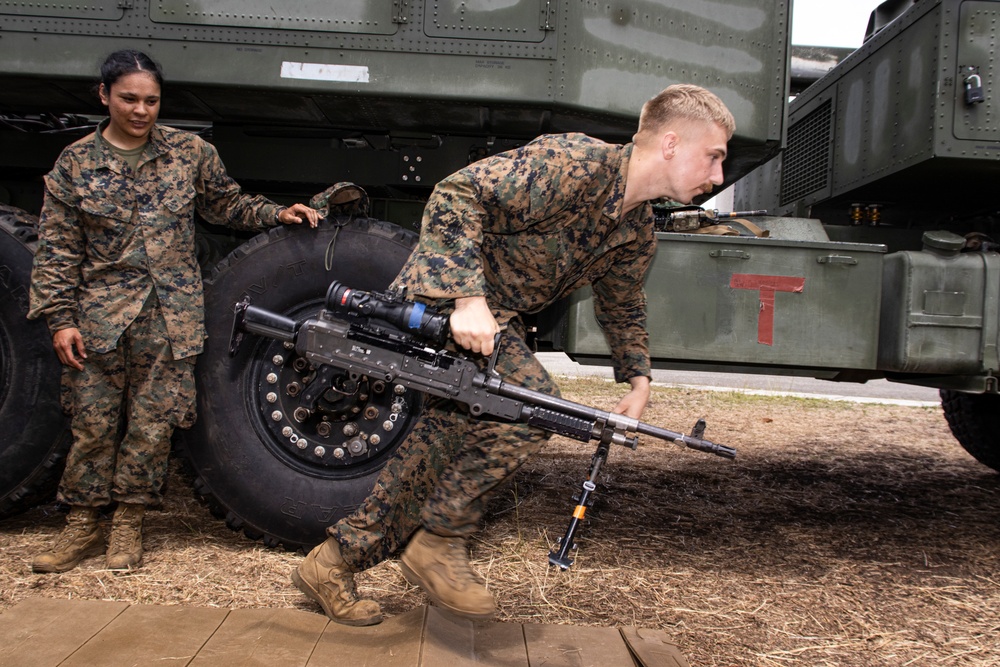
(687, 440)
(708, 447)
(741, 214)
(531, 397)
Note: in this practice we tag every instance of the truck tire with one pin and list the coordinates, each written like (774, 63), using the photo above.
(972, 419)
(264, 472)
(35, 430)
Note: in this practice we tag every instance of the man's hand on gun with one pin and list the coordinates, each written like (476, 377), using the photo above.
(387, 337)
(473, 325)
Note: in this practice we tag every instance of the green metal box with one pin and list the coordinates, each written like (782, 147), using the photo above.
(941, 315)
(739, 301)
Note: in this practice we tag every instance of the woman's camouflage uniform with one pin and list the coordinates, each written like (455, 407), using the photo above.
(523, 228)
(116, 260)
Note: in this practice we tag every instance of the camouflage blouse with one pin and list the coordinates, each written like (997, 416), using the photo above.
(108, 235)
(527, 227)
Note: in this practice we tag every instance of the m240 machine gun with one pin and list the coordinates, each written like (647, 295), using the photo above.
(388, 338)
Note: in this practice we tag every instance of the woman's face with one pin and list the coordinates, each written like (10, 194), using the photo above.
(134, 104)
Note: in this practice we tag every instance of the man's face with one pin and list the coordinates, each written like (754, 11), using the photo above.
(694, 154)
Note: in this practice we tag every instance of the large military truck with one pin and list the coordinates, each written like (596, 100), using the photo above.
(872, 146)
(395, 95)
(389, 94)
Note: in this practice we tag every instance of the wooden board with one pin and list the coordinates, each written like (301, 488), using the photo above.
(263, 638)
(40, 632)
(149, 635)
(43, 632)
(575, 646)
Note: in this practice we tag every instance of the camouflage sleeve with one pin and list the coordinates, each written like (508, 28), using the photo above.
(620, 307)
(505, 194)
(221, 201)
(446, 262)
(55, 273)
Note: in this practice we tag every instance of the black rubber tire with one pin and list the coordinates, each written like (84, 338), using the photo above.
(243, 467)
(973, 421)
(35, 434)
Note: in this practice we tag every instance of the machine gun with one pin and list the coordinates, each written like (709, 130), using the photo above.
(385, 337)
(690, 218)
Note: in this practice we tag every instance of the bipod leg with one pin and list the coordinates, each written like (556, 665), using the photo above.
(561, 557)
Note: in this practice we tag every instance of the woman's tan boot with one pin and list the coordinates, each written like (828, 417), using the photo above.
(81, 538)
(125, 545)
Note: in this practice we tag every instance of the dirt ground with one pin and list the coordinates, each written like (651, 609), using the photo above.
(843, 535)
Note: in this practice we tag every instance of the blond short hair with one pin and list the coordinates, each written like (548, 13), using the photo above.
(684, 101)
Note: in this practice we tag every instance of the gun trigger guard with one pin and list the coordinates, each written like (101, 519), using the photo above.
(491, 366)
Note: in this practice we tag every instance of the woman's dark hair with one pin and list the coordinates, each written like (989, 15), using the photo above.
(127, 61)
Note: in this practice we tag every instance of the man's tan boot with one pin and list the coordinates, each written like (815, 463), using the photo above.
(326, 579)
(440, 566)
(125, 545)
(81, 538)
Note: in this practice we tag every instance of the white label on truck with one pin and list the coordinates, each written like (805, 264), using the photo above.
(323, 72)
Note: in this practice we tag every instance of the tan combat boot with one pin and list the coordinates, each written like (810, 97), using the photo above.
(326, 579)
(81, 538)
(440, 566)
(125, 545)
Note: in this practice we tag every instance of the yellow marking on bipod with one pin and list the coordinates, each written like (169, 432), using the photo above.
(579, 512)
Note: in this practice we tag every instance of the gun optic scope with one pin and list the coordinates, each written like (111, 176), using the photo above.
(408, 316)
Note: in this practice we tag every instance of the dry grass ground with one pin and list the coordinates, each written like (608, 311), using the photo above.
(843, 535)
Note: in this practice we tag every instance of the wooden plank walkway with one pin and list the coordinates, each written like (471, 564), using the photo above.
(44, 632)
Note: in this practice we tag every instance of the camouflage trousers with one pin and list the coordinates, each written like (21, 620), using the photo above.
(444, 472)
(124, 406)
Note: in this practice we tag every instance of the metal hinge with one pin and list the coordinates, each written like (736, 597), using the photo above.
(399, 11)
(545, 20)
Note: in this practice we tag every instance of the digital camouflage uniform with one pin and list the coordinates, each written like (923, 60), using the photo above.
(116, 259)
(523, 228)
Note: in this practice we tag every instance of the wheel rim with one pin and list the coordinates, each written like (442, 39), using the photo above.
(353, 425)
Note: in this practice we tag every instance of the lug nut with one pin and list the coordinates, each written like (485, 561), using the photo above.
(277, 360)
(272, 377)
(320, 451)
(271, 397)
(357, 446)
(276, 415)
